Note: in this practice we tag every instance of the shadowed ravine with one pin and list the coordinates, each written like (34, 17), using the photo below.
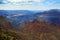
(35, 30)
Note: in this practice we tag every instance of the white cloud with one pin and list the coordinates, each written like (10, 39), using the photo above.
(15, 15)
(22, 2)
(37, 0)
(18, 14)
(14, 0)
(29, 5)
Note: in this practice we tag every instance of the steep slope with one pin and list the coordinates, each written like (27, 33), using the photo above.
(5, 23)
(9, 32)
(52, 16)
(35, 30)
(41, 30)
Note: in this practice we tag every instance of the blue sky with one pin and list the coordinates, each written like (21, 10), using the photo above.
(29, 4)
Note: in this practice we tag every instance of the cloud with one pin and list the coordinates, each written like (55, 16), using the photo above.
(31, 5)
(15, 15)
(18, 14)
(1, 2)
(27, 7)
(20, 1)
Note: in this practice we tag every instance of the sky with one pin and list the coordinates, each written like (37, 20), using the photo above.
(29, 4)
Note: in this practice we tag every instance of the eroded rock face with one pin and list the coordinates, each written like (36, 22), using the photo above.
(41, 30)
(35, 30)
(4, 22)
(52, 16)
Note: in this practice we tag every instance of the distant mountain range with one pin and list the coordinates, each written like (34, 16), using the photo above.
(13, 12)
(30, 26)
(52, 16)
(18, 16)
(35, 30)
